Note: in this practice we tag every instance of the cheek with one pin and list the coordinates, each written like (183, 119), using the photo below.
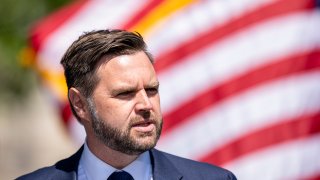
(116, 112)
(156, 103)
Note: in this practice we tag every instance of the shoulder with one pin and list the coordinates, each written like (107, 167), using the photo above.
(64, 169)
(43, 173)
(191, 168)
(52, 172)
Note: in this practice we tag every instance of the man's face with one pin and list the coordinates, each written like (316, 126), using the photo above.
(125, 105)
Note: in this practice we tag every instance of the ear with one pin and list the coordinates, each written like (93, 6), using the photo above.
(78, 102)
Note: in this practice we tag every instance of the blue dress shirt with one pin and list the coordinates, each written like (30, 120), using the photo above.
(92, 168)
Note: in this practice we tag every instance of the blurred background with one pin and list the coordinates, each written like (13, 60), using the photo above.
(31, 131)
(239, 80)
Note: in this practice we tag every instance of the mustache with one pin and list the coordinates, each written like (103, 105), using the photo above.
(137, 120)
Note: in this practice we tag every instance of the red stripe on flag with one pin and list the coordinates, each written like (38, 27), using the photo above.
(198, 43)
(45, 27)
(315, 177)
(141, 14)
(293, 129)
(281, 68)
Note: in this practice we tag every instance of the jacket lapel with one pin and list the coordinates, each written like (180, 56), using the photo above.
(67, 168)
(163, 169)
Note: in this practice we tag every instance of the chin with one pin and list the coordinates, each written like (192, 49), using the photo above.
(147, 142)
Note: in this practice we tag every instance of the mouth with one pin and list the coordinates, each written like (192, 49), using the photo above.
(144, 126)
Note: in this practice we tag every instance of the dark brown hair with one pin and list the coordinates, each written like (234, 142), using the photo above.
(82, 58)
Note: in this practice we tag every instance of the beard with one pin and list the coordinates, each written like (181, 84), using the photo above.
(120, 139)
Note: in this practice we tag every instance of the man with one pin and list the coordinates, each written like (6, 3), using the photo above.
(113, 92)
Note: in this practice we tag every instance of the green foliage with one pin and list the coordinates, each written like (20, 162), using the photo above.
(16, 19)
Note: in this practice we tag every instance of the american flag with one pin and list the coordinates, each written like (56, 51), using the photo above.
(240, 79)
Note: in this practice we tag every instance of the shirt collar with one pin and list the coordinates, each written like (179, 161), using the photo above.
(97, 169)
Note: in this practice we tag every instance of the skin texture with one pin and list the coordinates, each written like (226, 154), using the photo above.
(125, 104)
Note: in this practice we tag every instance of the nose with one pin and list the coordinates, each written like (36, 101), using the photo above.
(143, 102)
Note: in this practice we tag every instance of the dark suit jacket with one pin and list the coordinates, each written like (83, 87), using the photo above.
(165, 167)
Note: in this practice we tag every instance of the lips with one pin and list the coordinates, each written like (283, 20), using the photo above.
(144, 126)
(142, 123)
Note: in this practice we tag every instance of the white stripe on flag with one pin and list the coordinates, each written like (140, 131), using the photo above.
(254, 109)
(291, 160)
(236, 55)
(198, 18)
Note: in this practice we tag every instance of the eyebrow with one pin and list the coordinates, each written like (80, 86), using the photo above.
(153, 84)
(122, 89)
(125, 88)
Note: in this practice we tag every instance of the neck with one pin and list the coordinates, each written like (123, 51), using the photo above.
(112, 157)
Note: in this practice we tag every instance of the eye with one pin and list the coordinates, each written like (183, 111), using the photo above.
(152, 91)
(126, 94)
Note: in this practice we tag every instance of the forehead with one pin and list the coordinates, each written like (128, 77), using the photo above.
(131, 68)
